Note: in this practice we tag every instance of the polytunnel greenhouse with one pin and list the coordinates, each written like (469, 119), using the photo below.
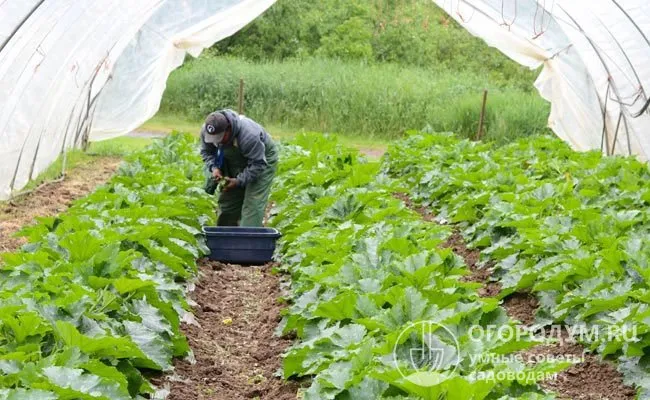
(324, 200)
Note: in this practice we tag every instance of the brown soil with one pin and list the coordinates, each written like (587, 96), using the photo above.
(521, 307)
(456, 242)
(51, 199)
(374, 154)
(590, 379)
(478, 273)
(424, 212)
(237, 354)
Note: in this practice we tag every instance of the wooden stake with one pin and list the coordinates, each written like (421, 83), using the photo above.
(479, 134)
(241, 96)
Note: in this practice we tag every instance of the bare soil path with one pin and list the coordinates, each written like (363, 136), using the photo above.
(373, 154)
(52, 199)
(237, 354)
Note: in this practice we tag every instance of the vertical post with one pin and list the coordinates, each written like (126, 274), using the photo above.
(479, 134)
(65, 161)
(240, 110)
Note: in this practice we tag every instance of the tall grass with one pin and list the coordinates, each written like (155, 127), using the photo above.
(335, 96)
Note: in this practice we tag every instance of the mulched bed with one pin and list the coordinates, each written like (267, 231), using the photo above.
(478, 273)
(237, 354)
(424, 212)
(521, 307)
(591, 379)
(52, 199)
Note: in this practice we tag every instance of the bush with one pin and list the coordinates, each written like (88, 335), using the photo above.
(349, 41)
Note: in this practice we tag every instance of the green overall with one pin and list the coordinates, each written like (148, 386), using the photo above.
(245, 206)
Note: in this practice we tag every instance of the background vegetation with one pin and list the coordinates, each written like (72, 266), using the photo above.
(339, 96)
(407, 32)
(374, 67)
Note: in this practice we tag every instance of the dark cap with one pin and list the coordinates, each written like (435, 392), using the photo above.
(216, 125)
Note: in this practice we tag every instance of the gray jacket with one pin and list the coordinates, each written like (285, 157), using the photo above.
(252, 141)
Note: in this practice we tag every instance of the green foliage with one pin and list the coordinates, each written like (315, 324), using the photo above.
(349, 41)
(347, 97)
(408, 32)
(570, 227)
(364, 269)
(98, 291)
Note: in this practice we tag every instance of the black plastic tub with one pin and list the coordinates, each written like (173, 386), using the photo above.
(241, 245)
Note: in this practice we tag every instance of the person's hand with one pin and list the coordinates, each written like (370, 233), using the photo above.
(231, 183)
(217, 174)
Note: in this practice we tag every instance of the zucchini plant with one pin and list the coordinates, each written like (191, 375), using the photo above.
(98, 293)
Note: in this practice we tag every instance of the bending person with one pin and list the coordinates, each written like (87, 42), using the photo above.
(238, 152)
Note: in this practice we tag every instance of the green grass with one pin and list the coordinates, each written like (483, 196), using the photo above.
(169, 122)
(117, 147)
(376, 102)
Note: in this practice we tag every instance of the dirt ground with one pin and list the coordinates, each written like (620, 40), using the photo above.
(424, 212)
(456, 242)
(590, 379)
(373, 154)
(521, 307)
(478, 273)
(51, 199)
(237, 354)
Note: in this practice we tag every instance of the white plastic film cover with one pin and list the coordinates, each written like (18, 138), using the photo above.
(72, 70)
(595, 56)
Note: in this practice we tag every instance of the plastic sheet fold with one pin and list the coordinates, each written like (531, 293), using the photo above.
(595, 56)
(79, 70)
